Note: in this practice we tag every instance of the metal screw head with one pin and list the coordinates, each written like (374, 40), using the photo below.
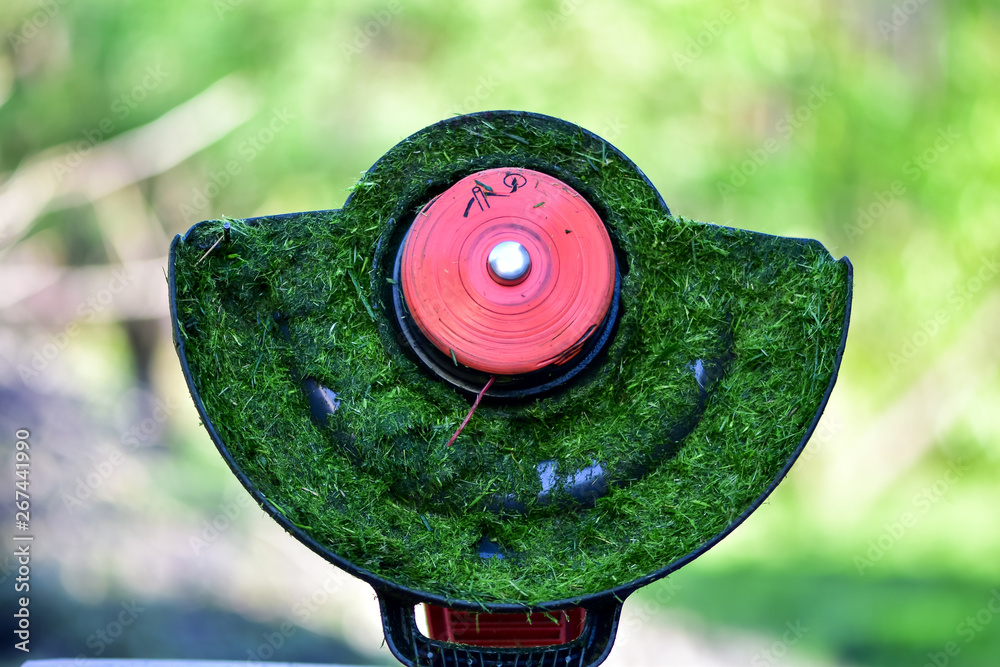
(509, 263)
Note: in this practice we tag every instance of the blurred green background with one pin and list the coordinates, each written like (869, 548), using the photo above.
(873, 127)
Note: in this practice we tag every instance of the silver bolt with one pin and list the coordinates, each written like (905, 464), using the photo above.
(509, 263)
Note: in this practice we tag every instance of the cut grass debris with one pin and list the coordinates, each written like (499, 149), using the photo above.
(286, 298)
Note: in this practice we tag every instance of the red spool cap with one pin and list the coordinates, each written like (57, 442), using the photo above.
(508, 323)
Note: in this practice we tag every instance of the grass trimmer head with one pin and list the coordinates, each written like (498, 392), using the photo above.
(505, 378)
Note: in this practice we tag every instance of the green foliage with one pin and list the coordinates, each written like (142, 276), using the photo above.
(882, 620)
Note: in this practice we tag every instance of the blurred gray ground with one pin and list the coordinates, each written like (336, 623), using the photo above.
(64, 628)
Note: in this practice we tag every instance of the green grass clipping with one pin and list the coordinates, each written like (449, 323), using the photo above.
(270, 301)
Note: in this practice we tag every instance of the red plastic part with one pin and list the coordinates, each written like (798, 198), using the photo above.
(508, 329)
(504, 630)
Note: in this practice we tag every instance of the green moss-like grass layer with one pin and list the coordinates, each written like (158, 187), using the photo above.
(378, 487)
